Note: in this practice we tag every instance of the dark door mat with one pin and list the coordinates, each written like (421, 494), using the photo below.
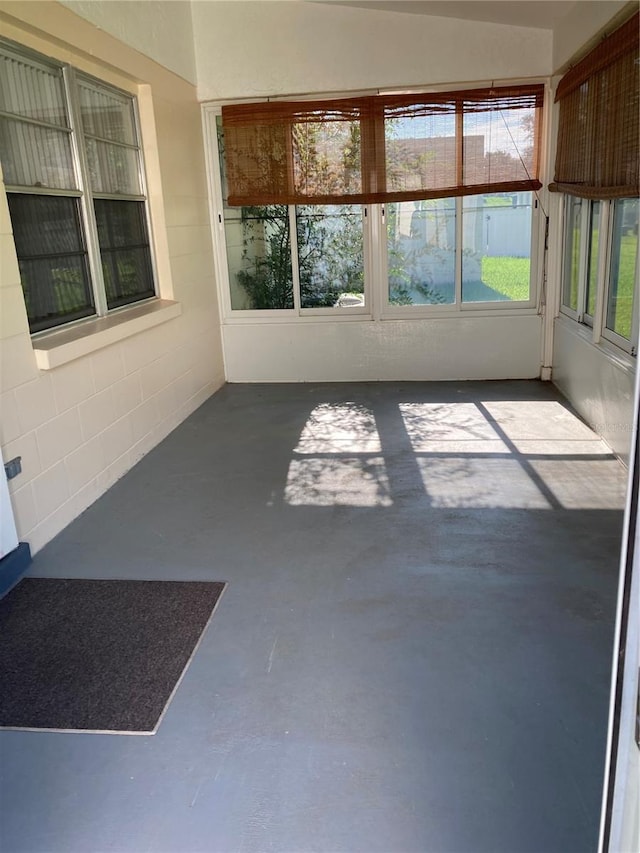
(97, 655)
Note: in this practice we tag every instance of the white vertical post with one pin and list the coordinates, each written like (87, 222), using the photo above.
(8, 533)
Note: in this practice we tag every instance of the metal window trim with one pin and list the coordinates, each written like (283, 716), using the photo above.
(145, 193)
(118, 197)
(115, 142)
(47, 125)
(216, 208)
(604, 254)
(17, 189)
(86, 199)
(567, 224)
(295, 260)
(586, 317)
(458, 230)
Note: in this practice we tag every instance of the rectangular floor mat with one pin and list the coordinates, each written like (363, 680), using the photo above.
(97, 655)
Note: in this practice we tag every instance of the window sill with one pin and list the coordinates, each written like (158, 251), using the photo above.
(53, 349)
(414, 312)
(623, 360)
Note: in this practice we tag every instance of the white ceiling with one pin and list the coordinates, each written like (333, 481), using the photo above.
(542, 14)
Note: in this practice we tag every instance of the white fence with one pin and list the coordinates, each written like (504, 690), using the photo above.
(505, 231)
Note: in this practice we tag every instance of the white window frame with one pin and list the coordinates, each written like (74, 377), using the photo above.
(210, 115)
(71, 77)
(630, 346)
(459, 306)
(377, 305)
(595, 326)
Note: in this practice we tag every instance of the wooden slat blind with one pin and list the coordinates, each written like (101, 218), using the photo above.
(383, 148)
(598, 135)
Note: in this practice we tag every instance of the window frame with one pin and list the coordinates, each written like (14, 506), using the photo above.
(596, 325)
(72, 78)
(377, 306)
(629, 345)
(459, 306)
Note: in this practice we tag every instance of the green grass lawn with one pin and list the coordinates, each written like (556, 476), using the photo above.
(507, 276)
(619, 311)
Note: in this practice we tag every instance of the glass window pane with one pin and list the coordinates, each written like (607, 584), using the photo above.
(259, 257)
(496, 247)
(107, 114)
(125, 252)
(45, 225)
(592, 272)
(571, 252)
(112, 168)
(421, 239)
(420, 151)
(498, 146)
(330, 256)
(34, 156)
(32, 90)
(624, 266)
(121, 223)
(52, 259)
(128, 276)
(326, 158)
(258, 247)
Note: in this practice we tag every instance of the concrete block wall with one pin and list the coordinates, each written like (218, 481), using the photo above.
(80, 426)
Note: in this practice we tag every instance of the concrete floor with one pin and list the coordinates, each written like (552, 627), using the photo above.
(413, 651)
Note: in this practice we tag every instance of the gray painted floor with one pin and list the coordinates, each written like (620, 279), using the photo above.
(412, 653)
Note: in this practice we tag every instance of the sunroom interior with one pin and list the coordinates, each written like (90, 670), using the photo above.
(283, 280)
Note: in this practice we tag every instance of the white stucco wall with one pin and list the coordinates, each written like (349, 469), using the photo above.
(251, 49)
(160, 29)
(582, 23)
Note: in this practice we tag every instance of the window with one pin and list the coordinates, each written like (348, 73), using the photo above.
(623, 272)
(607, 229)
(330, 256)
(293, 257)
(572, 253)
(597, 167)
(421, 252)
(496, 248)
(73, 173)
(424, 251)
(407, 203)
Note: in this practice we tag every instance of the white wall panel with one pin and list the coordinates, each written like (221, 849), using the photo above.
(251, 49)
(598, 385)
(579, 26)
(443, 348)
